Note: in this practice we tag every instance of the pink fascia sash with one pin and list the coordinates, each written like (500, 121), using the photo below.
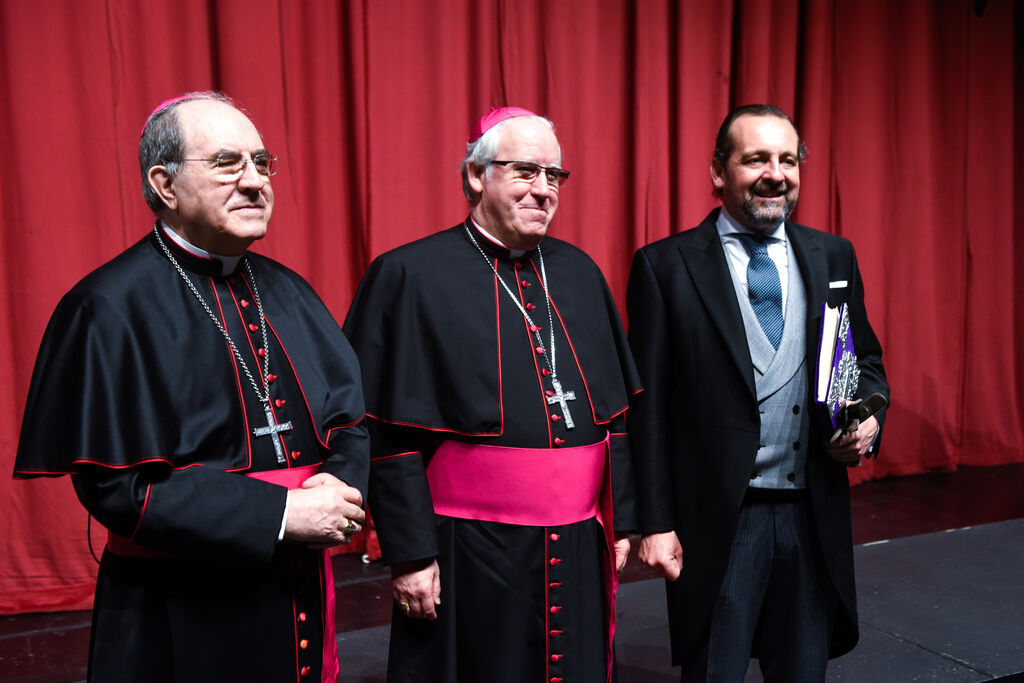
(292, 479)
(529, 487)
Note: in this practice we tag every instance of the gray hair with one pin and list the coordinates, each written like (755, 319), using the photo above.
(163, 141)
(482, 151)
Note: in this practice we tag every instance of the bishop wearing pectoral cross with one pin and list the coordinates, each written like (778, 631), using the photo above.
(498, 378)
(162, 368)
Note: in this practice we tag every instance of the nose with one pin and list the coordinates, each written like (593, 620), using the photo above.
(250, 178)
(773, 171)
(540, 187)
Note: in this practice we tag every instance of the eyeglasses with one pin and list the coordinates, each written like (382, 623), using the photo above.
(229, 166)
(528, 171)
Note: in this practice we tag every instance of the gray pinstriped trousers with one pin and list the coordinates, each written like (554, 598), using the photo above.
(775, 602)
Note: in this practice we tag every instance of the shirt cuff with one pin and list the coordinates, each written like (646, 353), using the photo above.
(284, 519)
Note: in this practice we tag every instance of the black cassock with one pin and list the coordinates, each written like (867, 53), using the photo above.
(446, 354)
(138, 396)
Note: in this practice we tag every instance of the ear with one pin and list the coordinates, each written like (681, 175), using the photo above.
(475, 176)
(717, 175)
(163, 184)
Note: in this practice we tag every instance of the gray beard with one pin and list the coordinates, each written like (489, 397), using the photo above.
(765, 219)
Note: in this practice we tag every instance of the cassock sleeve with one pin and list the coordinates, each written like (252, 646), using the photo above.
(648, 419)
(204, 510)
(196, 510)
(349, 460)
(623, 488)
(400, 502)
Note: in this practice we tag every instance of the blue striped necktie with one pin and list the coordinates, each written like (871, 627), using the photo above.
(763, 287)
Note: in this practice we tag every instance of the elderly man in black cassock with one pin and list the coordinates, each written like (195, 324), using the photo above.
(498, 376)
(209, 411)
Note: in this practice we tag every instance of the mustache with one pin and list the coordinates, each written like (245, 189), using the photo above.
(248, 205)
(766, 187)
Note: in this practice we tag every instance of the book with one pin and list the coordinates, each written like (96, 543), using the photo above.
(837, 371)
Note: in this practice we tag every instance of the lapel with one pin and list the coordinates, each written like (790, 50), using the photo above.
(808, 247)
(705, 260)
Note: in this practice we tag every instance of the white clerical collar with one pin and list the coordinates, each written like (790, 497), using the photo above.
(514, 253)
(227, 263)
(727, 225)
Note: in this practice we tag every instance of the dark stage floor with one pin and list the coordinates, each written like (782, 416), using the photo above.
(938, 572)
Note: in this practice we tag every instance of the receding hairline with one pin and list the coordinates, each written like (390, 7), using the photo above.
(181, 112)
(783, 119)
(726, 138)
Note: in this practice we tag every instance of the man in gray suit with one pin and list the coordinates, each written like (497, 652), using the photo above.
(743, 500)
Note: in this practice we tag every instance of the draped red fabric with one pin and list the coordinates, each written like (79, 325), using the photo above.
(908, 108)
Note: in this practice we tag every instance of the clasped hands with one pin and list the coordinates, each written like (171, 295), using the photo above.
(324, 512)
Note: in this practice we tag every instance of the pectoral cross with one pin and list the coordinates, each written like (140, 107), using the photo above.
(560, 398)
(273, 428)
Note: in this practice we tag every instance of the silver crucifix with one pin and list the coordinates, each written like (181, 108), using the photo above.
(560, 398)
(273, 428)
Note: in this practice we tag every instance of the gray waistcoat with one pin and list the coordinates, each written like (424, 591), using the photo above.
(781, 380)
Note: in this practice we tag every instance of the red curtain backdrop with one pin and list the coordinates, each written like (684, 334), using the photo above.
(909, 109)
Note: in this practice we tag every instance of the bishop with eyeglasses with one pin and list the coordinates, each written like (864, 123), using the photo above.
(209, 411)
(498, 378)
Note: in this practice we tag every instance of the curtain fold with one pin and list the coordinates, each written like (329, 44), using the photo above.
(908, 108)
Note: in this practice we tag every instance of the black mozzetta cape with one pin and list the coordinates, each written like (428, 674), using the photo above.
(426, 366)
(132, 371)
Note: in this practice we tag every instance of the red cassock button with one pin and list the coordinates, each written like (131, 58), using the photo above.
(556, 679)
(554, 584)
(545, 372)
(303, 643)
(526, 283)
(556, 418)
(279, 402)
(553, 561)
(549, 393)
(253, 327)
(555, 658)
(261, 352)
(534, 328)
(554, 537)
(302, 615)
(530, 307)
(539, 350)
(555, 632)
(304, 671)
(519, 264)
(555, 609)
(244, 303)
(271, 378)
(559, 442)
(295, 456)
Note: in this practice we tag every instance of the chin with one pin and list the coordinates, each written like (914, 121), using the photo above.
(763, 218)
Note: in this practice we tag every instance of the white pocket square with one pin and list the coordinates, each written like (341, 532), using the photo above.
(837, 284)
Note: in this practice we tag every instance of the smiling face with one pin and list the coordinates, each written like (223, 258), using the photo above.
(760, 181)
(213, 214)
(514, 210)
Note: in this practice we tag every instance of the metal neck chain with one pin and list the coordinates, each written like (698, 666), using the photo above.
(549, 359)
(263, 397)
